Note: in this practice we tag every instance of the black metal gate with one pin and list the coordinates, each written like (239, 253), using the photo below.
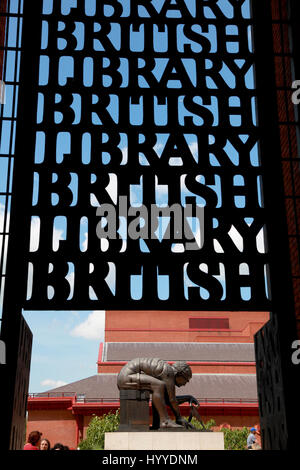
(122, 103)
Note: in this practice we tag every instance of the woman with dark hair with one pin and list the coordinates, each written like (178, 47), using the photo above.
(45, 444)
(58, 446)
(33, 441)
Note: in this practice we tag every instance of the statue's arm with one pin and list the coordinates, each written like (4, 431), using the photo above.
(171, 397)
(181, 399)
(184, 398)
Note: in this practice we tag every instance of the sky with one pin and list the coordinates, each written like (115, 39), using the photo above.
(65, 346)
(66, 343)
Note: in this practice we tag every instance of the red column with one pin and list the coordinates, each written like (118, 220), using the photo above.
(79, 428)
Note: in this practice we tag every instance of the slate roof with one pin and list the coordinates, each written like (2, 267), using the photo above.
(214, 352)
(204, 386)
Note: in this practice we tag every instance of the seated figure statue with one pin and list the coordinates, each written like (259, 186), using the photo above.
(160, 378)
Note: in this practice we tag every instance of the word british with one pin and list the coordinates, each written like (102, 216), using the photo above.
(145, 121)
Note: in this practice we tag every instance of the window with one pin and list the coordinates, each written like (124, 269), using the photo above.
(209, 323)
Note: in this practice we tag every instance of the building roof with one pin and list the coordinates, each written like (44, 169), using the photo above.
(214, 352)
(202, 386)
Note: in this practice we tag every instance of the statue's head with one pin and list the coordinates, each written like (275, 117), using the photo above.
(183, 372)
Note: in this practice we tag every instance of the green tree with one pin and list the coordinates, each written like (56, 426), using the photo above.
(97, 428)
(235, 439)
(208, 425)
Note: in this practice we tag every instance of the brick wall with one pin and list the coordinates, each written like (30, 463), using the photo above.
(173, 326)
(56, 426)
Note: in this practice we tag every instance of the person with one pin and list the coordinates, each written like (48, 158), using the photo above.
(251, 439)
(33, 441)
(58, 446)
(45, 444)
(160, 378)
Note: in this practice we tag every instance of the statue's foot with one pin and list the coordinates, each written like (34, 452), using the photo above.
(170, 424)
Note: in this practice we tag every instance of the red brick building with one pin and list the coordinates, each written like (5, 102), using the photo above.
(183, 326)
(217, 345)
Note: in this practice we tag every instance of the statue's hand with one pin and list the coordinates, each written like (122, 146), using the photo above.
(194, 401)
(183, 422)
(180, 420)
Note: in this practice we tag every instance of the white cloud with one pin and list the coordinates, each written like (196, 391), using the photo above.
(53, 383)
(71, 278)
(35, 235)
(236, 238)
(260, 241)
(92, 328)
(57, 236)
(112, 187)
(194, 150)
(84, 244)
(111, 277)
(239, 241)
(2, 213)
(94, 201)
(124, 155)
(158, 148)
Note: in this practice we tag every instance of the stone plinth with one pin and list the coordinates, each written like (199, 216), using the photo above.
(134, 410)
(158, 440)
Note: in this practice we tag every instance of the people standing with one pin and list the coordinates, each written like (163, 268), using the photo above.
(251, 439)
(33, 441)
(45, 444)
(58, 446)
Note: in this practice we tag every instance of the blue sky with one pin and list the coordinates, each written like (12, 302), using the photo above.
(65, 346)
(65, 343)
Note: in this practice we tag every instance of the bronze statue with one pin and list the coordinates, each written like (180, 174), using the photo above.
(160, 378)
